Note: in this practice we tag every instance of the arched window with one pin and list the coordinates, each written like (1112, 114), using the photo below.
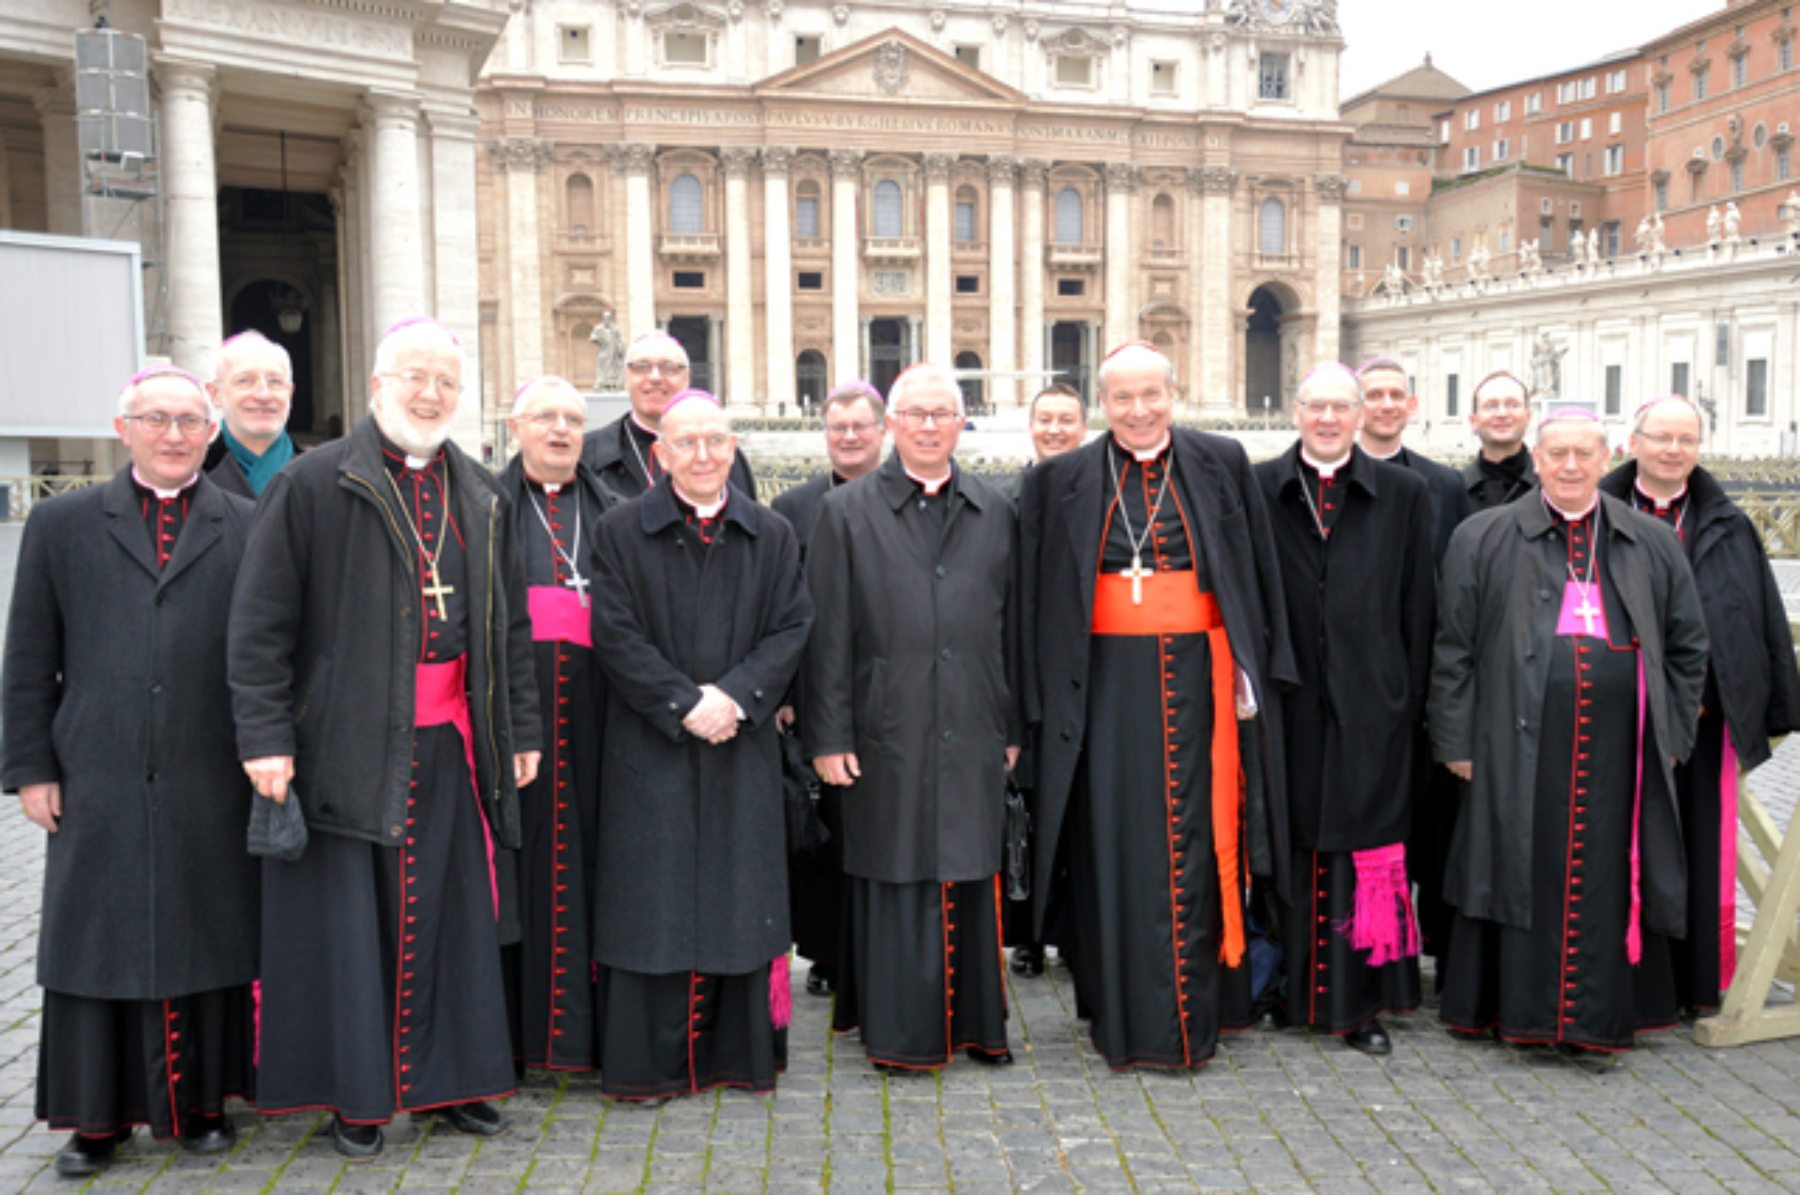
(1068, 216)
(806, 209)
(971, 387)
(578, 203)
(809, 378)
(1162, 222)
(687, 211)
(1271, 227)
(965, 215)
(887, 209)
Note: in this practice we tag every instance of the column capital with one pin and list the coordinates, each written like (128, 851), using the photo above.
(519, 153)
(444, 123)
(1033, 171)
(395, 109)
(776, 159)
(1003, 170)
(179, 74)
(1121, 176)
(634, 157)
(737, 160)
(846, 163)
(1215, 179)
(938, 166)
(1330, 187)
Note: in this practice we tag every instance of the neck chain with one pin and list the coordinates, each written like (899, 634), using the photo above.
(437, 589)
(1312, 507)
(1657, 504)
(576, 581)
(1593, 546)
(1137, 540)
(643, 465)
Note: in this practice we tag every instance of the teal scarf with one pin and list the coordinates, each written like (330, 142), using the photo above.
(259, 469)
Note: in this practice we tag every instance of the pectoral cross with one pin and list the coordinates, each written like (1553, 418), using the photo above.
(1587, 610)
(579, 584)
(436, 591)
(1137, 572)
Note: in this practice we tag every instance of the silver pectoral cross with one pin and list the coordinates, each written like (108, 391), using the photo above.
(437, 590)
(1137, 572)
(1586, 612)
(579, 584)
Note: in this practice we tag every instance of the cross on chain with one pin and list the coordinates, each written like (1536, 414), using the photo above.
(1137, 572)
(579, 584)
(437, 590)
(1587, 610)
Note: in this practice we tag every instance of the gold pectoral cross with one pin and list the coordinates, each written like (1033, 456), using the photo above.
(1137, 572)
(436, 591)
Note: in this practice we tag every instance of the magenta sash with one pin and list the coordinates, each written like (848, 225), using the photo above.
(440, 698)
(557, 614)
(1728, 843)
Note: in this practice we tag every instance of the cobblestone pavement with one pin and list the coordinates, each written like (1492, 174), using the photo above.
(1274, 1112)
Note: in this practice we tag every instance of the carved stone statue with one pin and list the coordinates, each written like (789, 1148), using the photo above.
(1393, 280)
(1790, 214)
(1658, 246)
(1642, 235)
(609, 354)
(1478, 262)
(1531, 261)
(1714, 223)
(1593, 249)
(1577, 247)
(1734, 220)
(1434, 270)
(1546, 367)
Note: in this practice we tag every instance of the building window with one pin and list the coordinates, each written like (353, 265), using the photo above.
(1740, 70)
(578, 204)
(1451, 382)
(1784, 54)
(1661, 189)
(1546, 235)
(1615, 82)
(1162, 222)
(1455, 248)
(1354, 256)
(1501, 149)
(1737, 174)
(1162, 78)
(1471, 157)
(887, 209)
(1587, 127)
(572, 44)
(1615, 389)
(807, 48)
(1756, 388)
(1565, 132)
(1662, 97)
(1068, 216)
(1401, 187)
(1700, 83)
(968, 284)
(1403, 223)
(1074, 72)
(687, 210)
(806, 211)
(969, 56)
(1760, 136)
(1678, 379)
(1534, 103)
(1443, 132)
(1566, 164)
(965, 215)
(1609, 239)
(809, 280)
(1565, 93)
(689, 280)
(1403, 256)
(1615, 122)
(1502, 111)
(1471, 120)
(1781, 164)
(1272, 77)
(1615, 159)
(684, 48)
(1271, 227)
(1069, 288)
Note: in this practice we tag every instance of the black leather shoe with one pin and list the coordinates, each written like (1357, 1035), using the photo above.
(477, 1118)
(209, 1135)
(817, 984)
(1371, 1039)
(1028, 960)
(1272, 1018)
(355, 1140)
(1003, 1058)
(86, 1156)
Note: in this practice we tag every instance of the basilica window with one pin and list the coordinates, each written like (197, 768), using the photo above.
(1162, 222)
(578, 204)
(965, 215)
(888, 220)
(572, 44)
(1271, 227)
(806, 210)
(687, 210)
(1162, 78)
(685, 48)
(806, 49)
(1068, 216)
(1073, 71)
(1272, 77)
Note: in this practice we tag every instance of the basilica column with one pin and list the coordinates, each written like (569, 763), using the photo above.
(740, 312)
(640, 250)
(64, 210)
(453, 291)
(1327, 244)
(1002, 333)
(778, 277)
(1193, 370)
(1121, 312)
(6, 220)
(353, 370)
(938, 323)
(191, 229)
(517, 160)
(1031, 269)
(396, 236)
(1220, 335)
(846, 171)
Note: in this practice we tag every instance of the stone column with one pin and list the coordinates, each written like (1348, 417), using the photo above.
(396, 235)
(328, 321)
(1002, 332)
(1121, 312)
(740, 311)
(63, 176)
(865, 348)
(938, 322)
(1327, 245)
(1193, 370)
(640, 249)
(915, 343)
(1220, 334)
(455, 289)
(353, 357)
(778, 277)
(846, 280)
(1032, 173)
(191, 237)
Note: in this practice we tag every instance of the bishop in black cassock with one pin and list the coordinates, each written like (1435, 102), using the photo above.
(117, 740)
(1154, 632)
(1567, 676)
(1354, 539)
(703, 616)
(1752, 687)
(381, 662)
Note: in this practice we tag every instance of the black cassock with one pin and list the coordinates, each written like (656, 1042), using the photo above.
(115, 689)
(549, 971)
(387, 994)
(1567, 977)
(1357, 572)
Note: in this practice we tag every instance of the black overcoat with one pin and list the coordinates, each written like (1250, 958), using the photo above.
(225, 471)
(1450, 503)
(800, 506)
(1752, 645)
(115, 688)
(1497, 606)
(325, 639)
(607, 451)
(1360, 618)
(1484, 496)
(692, 872)
(1061, 503)
(913, 666)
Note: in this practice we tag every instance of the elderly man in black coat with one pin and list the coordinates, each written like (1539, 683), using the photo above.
(1566, 681)
(253, 388)
(118, 742)
(380, 657)
(1154, 632)
(1752, 686)
(703, 614)
(908, 702)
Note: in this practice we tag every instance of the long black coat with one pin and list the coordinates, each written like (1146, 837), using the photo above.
(608, 453)
(1490, 666)
(1450, 503)
(1752, 646)
(1485, 494)
(692, 871)
(1360, 617)
(1061, 504)
(115, 688)
(325, 639)
(913, 666)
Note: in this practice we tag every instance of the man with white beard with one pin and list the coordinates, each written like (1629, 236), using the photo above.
(380, 589)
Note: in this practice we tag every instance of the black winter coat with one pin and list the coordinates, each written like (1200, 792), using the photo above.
(1485, 493)
(692, 871)
(607, 451)
(1752, 645)
(1450, 503)
(325, 639)
(115, 688)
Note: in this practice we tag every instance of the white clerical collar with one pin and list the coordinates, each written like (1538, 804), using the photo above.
(552, 488)
(1573, 516)
(931, 485)
(1384, 456)
(417, 463)
(1660, 503)
(163, 495)
(641, 426)
(1325, 469)
(1149, 454)
(708, 510)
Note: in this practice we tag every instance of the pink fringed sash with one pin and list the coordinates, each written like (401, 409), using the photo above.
(1383, 922)
(440, 696)
(781, 995)
(1728, 822)
(1634, 933)
(557, 613)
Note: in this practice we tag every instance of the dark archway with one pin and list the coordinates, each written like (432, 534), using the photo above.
(258, 307)
(886, 336)
(973, 390)
(809, 379)
(1069, 354)
(694, 333)
(1262, 352)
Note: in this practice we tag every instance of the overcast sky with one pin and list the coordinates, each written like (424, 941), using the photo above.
(1484, 45)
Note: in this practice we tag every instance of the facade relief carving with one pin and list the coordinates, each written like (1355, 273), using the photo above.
(891, 67)
(937, 167)
(520, 153)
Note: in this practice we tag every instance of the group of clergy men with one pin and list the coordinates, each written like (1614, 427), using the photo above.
(509, 749)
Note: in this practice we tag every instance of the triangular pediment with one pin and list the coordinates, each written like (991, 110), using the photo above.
(893, 65)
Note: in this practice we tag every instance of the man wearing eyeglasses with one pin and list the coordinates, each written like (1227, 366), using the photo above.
(1500, 413)
(117, 740)
(253, 388)
(1752, 689)
(908, 702)
(855, 431)
(381, 675)
(621, 453)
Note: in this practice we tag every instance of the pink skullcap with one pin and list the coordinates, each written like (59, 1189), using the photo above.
(1133, 344)
(530, 384)
(855, 386)
(165, 371)
(1570, 414)
(1329, 369)
(422, 321)
(1374, 363)
(246, 334)
(1680, 398)
(691, 392)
